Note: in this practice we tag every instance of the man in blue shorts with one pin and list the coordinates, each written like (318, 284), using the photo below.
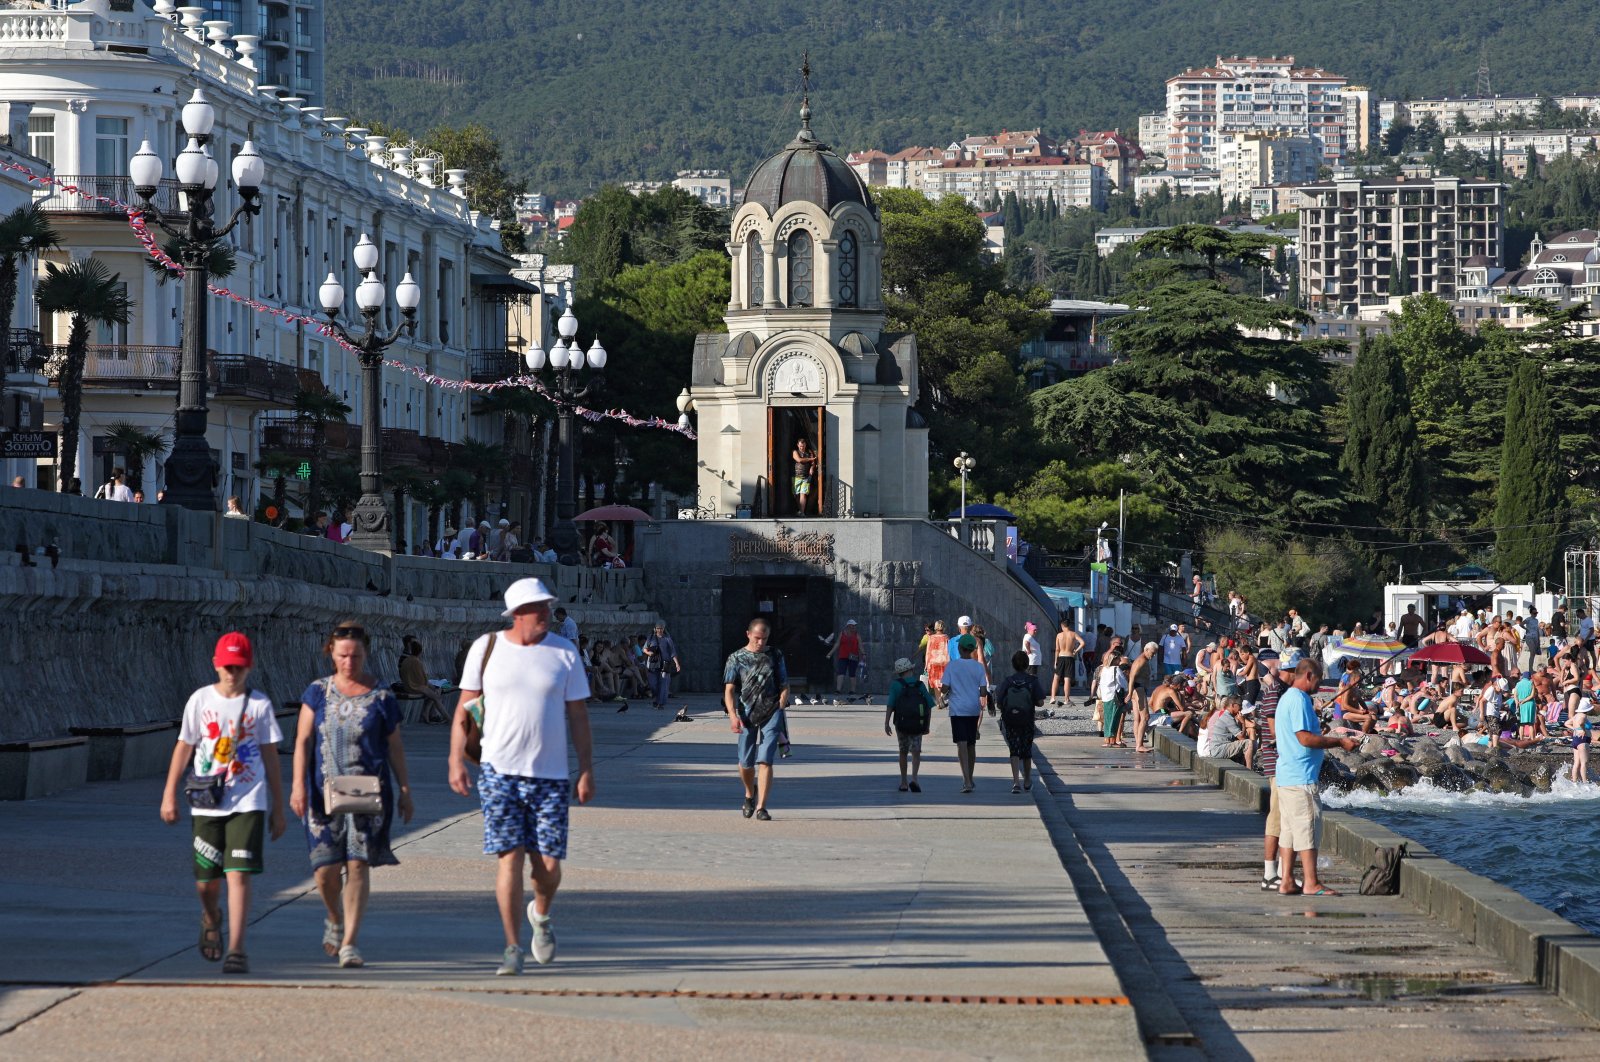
(755, 691)
(533, 690)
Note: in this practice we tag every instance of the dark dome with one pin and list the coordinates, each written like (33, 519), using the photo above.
(806, 171)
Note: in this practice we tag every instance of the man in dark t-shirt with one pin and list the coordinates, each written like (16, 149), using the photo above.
(755, 689)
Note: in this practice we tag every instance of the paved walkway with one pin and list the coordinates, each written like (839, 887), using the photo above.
(854, 888)
(1256, 975)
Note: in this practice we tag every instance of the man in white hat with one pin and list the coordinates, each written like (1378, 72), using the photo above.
(533, 690)
(849, 660)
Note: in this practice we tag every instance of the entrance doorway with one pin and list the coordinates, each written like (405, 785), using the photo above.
(799, 609)
(786, 426)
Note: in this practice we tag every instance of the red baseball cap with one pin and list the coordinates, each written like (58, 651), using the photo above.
(233, 650)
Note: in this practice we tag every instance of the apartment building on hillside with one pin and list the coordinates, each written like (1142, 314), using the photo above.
(1252, 94)
(1072, 184)
(1250, 160)
(1354, 235)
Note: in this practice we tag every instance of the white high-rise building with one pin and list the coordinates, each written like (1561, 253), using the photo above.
(291, 36)
(1250, 160)
(1252, 94)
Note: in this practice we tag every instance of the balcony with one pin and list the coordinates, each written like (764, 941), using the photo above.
(136, 368)
(285, 434)
(87, 194)
(490, 366)
(26, 352)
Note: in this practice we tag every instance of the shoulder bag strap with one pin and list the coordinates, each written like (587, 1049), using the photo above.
(488, 651)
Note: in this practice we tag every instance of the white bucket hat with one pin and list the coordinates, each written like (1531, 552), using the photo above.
(525, 592)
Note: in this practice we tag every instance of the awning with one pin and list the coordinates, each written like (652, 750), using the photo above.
(1065, 599)
(504, 282)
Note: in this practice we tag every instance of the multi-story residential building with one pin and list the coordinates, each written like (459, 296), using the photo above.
(97, 81)
(1354, 234)
(1153, 133)
(23, 439)
(1075, 342)
(1194, 182)
(1545, 143)
(1073, 184)
(1250, 160)
(1245, 94)
(871, 166)
(1108, 240)
(1275, 199)
(1477, 110)
(711, 187)
(1006, 144)
(906, 166)
(1120, 156)
(289, 38)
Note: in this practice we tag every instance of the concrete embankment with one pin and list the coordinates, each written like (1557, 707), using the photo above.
(1540, 946)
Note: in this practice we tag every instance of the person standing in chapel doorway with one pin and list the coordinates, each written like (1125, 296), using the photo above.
(805, 474)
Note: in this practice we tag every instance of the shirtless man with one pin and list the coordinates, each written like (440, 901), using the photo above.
(1249, 674)
(1069, 643)
(1204, 661)
(1166, 699)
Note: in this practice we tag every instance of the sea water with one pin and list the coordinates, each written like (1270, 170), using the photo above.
(1543, 846)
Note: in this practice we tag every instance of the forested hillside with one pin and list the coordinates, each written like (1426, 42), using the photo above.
(584, 92)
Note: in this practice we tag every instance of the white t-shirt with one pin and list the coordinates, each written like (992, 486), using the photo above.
(1172, 650)
(1030, 645)
(1109, 681)
(122, 493)
(965, 678)
(225, 744)
(525, 693)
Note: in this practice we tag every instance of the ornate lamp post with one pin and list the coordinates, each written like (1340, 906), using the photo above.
(373, 529)
(191, 469)
(567, 358)
(964, 465)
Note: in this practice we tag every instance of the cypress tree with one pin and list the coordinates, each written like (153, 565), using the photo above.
(1529, 495)
(1381, 455)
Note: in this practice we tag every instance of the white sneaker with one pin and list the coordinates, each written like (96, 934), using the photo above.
(544, 939)
(511, 963)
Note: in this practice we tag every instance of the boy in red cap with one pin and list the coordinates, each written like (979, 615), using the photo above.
(226, 760)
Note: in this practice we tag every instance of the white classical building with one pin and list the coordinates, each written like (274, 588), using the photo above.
(100, 77)
(805, 355)
(22, 357)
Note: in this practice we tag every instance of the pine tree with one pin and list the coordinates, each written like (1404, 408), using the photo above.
(1529, 496)
(1382, 460)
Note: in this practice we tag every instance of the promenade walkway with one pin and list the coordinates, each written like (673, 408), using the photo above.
(677, 915)
(1255, 975)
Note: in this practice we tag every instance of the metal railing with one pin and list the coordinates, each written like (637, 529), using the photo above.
(247, 376)
(490, 366)
(26, 352)
(155, 368)
(75, 194)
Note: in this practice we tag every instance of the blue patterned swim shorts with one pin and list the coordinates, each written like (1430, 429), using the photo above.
(528, 813)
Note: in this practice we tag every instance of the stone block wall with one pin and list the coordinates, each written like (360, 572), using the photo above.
(119, 633)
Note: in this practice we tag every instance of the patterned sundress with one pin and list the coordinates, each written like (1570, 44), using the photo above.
(351, 736)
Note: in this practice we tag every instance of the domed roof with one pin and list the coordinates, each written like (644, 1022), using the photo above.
(806, 171)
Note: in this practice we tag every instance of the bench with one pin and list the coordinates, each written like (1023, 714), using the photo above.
(120, 753)
(32, 769)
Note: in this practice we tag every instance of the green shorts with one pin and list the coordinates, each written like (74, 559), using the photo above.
(227, 844)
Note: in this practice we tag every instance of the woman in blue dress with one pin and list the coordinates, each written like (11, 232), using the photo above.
(349, 724)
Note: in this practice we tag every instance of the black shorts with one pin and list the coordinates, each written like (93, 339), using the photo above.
(1063, 667)
(225, 844)
(1251, 690)
(963, 728)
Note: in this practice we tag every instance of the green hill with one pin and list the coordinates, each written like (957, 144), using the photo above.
(581, 93)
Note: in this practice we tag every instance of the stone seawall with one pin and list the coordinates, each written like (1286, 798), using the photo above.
(120, 632)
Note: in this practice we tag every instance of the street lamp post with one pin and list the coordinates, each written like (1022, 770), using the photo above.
(373, 529)
(567, 358)
(191, 469)
(964, 465)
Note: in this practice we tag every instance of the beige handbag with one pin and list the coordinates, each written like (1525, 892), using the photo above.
(352, 794)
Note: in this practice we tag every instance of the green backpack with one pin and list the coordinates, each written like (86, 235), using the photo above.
(909, 706)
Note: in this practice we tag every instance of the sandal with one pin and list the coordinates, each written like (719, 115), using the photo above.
(350, 957)
(1323, 890)
(210, 943)
(332, 936)
(903, 787)
(236, 963)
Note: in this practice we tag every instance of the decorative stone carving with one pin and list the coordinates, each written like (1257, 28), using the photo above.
(795, 373)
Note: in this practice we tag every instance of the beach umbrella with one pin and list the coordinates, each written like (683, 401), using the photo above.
(625, 513)
(1451, 653)
(1372, 646)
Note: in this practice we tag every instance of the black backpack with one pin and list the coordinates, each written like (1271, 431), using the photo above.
(1016, 703)
(909, 708)
(1383, 876)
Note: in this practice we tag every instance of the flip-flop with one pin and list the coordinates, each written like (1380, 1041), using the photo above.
(1323, 890)
(210, 943)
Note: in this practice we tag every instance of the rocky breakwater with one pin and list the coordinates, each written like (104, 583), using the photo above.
(1388, 764)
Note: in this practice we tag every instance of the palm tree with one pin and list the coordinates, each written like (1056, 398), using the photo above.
(279, 466)
(24, 231)
(457, 487)
(135, 444)
(318, 409)
(431, 492)
(220, 260)
(481, 460)
(92, 294)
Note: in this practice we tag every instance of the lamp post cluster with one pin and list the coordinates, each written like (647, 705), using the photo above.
(191, 468)
(964, 464)
(373, 528)
(567, 360)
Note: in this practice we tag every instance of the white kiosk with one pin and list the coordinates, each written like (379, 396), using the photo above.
(1439, 601)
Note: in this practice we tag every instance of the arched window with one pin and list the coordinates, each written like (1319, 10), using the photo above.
(800, 272)
(757, 267)
(1545, 276)
(849, 268)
